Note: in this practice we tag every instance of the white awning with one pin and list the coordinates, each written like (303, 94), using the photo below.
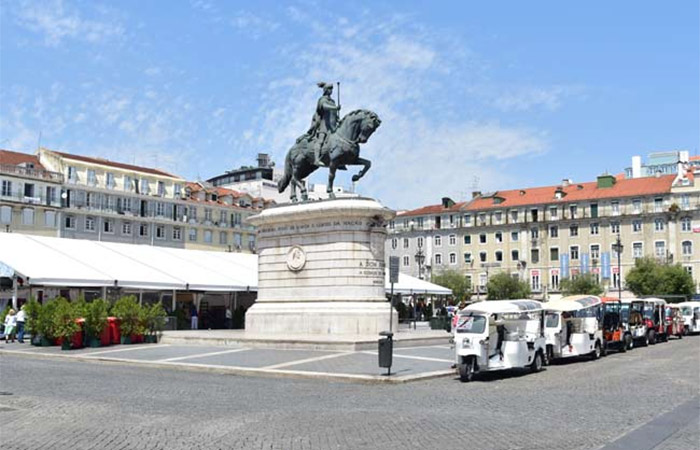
(47, 261)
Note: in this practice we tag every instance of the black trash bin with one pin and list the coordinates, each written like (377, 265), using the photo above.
(386, 349)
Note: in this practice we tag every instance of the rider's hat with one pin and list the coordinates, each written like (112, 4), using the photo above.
(324, 85)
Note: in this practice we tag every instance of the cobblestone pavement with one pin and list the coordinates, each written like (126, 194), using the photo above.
(57, 404)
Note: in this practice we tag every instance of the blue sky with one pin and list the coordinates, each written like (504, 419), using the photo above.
(497, 95)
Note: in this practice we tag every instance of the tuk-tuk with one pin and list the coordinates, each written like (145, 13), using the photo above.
(499, 335)
(674, 321)
(615, 332)
(631, 310)
(654, 314)
(691, 316)
(574, 327)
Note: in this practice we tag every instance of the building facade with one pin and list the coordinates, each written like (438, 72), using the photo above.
(29, 195)
(545, 234)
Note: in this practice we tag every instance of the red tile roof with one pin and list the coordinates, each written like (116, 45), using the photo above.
(16, 158)
(433, 209)
(106, 162)
(632, 187)
(694, 158)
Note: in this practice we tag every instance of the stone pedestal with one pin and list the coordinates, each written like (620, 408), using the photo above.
(321, 269)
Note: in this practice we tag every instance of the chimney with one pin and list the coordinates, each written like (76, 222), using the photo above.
(566, 182)
(476, 194)
(263, 160)
(636, 166)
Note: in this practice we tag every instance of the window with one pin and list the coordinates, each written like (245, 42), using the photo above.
(177, 190)
(467, 258)
(420, 242)
(110, 180)
(637, 249)
(161, 188)
(207, 236)
(72, 174)
(482, 219)
(467, 239)
(406, 261)
(438, 222)
(6, 214)
(453, 239)
(482, 238)
(467, 220)
(616, 278)
(143, 230)
(160, 231)
(573, 252)
(533, 214)
(554, 231)
(687, 247)
(51, 195)
(222, 216)
(438, 259)
(89, 223)
(127, 183)
(535, 255)
(595, 251)
(405, 242)
(126, 228)
(482, 256)
(223, 237)
(685, 201)
(453, 258)
(594, 210)
(207, 214)
(615, 208)
(144, 186)
(554, 253)
(50, 219)
(6, 188)
(498, 216)
(70, 223)
(658, 204)
(177, 233)
(573, 211)
(160, 209)
(637, 226)
(595, 228)
(514, 216)
(515, 255)
(91, 177)
(192, 213)
(573, 230)
(394, 243)
(438, 241)
(659, 224)
(108, 226)
(553, 212)
(499, 256)
(499, 236)
(237, 240)
(534, 233)
(554, 280)
(615, 227)
(686, 224)
(514, 236)
(636, 206)
(660, 249)
(535, 280)
(193, 235)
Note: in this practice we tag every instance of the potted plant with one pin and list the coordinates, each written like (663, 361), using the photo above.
(32, 310)
(44, 323)
(128, 311)
(64, 324)
(95, 315)
(154, 320)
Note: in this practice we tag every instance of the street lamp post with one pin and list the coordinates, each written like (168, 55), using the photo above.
(420, 259)
(617, 246)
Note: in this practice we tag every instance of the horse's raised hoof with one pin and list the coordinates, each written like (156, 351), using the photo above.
(355, 178)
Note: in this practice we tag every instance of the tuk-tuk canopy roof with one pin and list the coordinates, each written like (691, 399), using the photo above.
(658, 301)
(692, 304)
(504, 306)
(574, 303)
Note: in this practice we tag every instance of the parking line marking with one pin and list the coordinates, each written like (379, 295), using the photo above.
(303, 361)
(87, 355)
(202, 355)
(420, 358)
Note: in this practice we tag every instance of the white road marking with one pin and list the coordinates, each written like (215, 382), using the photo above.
(89, 354)
(420, 358)
(202, 355)
(303, 361)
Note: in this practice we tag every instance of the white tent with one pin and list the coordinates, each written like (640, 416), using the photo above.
(47, 261)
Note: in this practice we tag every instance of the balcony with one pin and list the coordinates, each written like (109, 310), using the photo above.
(19, 197)
(37, 174)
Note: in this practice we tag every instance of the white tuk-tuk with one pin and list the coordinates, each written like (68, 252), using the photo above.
(497, 335)
(691, 316)
(632, 318)
(574, 327)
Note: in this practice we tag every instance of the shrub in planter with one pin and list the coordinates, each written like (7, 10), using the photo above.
(95, 315)
(32, 310)
(44, 322)
(154, 318)
(64, 325)
(128, 311)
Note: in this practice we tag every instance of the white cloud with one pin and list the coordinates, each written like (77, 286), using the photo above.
(252, 25)
(528, 98)
(56, 22)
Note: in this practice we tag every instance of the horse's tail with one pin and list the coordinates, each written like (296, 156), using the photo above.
(287, 177)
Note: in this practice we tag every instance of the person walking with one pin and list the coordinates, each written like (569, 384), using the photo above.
(21, 318)
(10, 324)
(193, 317)
(229, 318)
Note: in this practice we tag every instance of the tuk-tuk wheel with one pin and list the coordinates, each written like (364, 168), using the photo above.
(536, 365)
(629, 342)
(604, 351)
(652, 337)
(597, 351)
(467, 370)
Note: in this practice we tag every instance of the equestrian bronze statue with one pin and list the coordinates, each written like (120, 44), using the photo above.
(329, 142)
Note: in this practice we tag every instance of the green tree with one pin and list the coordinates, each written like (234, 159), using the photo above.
(455, 280)
(584, 284)
(503, 286)
(648, 277)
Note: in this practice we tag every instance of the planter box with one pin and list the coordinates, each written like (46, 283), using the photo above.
(46, 342)
(126, 340)
(66, 345)
(94, 342)
(105, 337)
(114, 333)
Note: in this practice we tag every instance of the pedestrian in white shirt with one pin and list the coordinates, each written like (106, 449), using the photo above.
(10, 324)
(21, 318)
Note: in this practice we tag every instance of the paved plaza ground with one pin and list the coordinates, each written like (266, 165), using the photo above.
(645, 399)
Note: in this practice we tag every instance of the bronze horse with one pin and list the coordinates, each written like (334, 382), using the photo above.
(342, 148)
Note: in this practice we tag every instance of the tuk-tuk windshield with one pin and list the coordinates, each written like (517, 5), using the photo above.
(471, 324)
(687, 310)
(551, 320)
(648, 312)
(625, 312)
